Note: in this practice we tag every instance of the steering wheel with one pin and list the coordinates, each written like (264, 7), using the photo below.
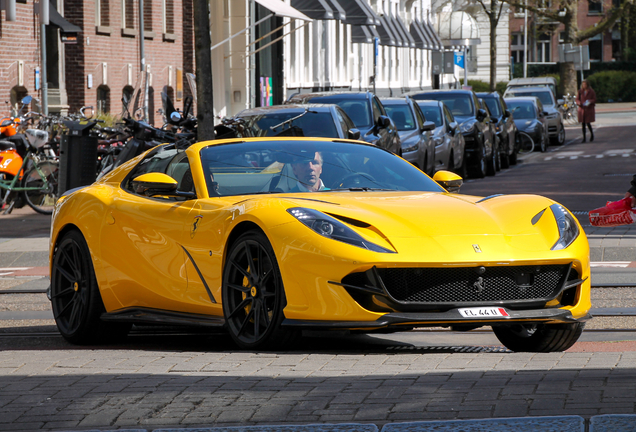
(355, 179)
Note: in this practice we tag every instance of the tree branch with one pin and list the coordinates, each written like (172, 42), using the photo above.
(554, 15)
(608, 21)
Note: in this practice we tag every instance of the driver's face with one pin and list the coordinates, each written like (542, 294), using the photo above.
(308, 172)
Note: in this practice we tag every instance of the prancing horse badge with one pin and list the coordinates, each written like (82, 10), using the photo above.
(195, 225)
(477, 248)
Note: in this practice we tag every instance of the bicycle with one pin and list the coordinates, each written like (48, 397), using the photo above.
(525, 142)
(38, 182)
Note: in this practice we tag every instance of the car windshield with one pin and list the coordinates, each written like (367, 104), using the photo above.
(544, 96)
(401, 115)
(432, 114)
(312, 124)
(521, 110)
(493, 106)
(271, 167)
(458, 103)
(358, 110)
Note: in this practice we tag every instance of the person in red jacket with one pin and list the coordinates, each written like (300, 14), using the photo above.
(586, 99)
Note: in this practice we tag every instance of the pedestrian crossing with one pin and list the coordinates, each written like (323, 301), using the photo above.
(573, 155)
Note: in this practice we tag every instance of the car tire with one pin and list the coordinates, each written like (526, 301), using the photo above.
(478, 167)
(560, 138)
(538, 337)
(505, 159)
(492, 162)
(544, 144)
(253, 294)
(75, 298)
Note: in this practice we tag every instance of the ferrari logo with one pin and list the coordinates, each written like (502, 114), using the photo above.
(479, 285)
(195, 225)
(477, 248)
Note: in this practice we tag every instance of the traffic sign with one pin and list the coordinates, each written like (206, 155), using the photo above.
(459, 59)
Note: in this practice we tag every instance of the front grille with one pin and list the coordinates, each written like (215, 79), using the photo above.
(552, 128)
(468, 284)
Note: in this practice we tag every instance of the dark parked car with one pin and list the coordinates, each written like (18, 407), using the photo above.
(505, 127)
(529, 117)
(365, 110)
(474, 124)
(551, 106)
(414, 131)
(328, 121)
(449, 143)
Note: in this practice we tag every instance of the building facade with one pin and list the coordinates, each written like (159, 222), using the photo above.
(544, 35)
(103, 65)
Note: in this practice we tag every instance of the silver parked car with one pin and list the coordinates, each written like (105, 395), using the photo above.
(449, 142)
(414, 131)
(554, 117)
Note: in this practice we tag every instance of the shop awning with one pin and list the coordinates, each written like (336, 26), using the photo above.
(408, 40)
(359, 13)
(418, 33)
(363, 34)
(57, 20)
(432, 36)
(282, 9)
(338, 10)
(319, 9)
(388, 36)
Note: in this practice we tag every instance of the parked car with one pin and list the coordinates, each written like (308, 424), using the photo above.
(448, 141)
(365, 110)
(505, 127)
(221, 236)
(556, 129)
(548, 82)
(414, 131)
(327, 121)
(530, 118)
(474, 124)
(493, 132)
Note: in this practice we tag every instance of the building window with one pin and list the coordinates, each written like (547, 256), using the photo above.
(147, 16)
(543, 48)
(103, 99)
(129, 14)
(126, 98)
(595, 7)
(516, 47)
(168, 16)
(102, 16)
(596, 48)
(616, 43)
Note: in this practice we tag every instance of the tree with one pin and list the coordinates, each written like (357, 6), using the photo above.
(566, 12)
(493, 18)
(203, 57)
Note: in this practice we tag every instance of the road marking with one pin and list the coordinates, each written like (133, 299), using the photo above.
(599, 156)
(548, 158)
(573, 157)
(6, 271)
(625, 155)
(619, 151)
(615, 264)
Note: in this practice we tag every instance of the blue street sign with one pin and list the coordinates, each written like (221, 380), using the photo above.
(459, 59)
(376, 45)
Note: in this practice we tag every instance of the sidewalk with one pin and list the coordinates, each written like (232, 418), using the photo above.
(616, 107)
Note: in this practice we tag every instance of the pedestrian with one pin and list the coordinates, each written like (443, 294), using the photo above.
(586, 99)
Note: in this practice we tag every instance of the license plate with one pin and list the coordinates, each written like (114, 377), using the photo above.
(483, 312)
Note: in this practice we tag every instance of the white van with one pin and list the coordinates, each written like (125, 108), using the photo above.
(534, 82)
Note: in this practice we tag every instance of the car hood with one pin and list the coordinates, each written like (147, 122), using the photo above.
(462, 119)
(409, 136)
(524, 124)
(449, 223)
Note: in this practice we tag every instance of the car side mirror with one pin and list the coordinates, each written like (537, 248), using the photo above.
(384, 122)
(448, 180)
(481, 114)
(153, 184)
(428, 126)
(545, 113)
(353, 134)
(507, 114)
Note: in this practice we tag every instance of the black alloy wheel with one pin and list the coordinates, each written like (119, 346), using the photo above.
(538, 337)
(253, 294)
(543, 147)
(560, 138)
(75, 298)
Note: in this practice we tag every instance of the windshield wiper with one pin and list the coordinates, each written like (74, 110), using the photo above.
(289, 121)
(358, 189)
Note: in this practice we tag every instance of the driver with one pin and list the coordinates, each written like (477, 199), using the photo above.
(308, 171)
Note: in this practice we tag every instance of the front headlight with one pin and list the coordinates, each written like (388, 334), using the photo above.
(568, 228)
(438, 141)
(467, 127)
(409, 147)
(332, 228)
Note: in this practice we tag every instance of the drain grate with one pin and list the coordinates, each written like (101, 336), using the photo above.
(441, 348)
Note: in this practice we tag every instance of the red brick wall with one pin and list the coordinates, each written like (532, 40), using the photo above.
(19, 40)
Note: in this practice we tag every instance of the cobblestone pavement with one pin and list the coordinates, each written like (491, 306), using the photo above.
(123, 388)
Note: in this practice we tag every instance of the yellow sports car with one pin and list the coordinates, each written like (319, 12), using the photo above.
(266, 237)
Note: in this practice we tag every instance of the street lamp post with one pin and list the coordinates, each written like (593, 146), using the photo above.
(525, 40)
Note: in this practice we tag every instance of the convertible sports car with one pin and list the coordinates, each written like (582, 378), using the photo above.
(228, 233)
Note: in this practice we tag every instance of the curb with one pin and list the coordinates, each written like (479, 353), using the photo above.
(572, 423)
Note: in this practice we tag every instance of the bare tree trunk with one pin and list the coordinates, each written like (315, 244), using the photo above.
(203, 57)
(566, 70)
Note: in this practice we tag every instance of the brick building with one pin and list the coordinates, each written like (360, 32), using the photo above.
(544, 35)
(104, 65)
